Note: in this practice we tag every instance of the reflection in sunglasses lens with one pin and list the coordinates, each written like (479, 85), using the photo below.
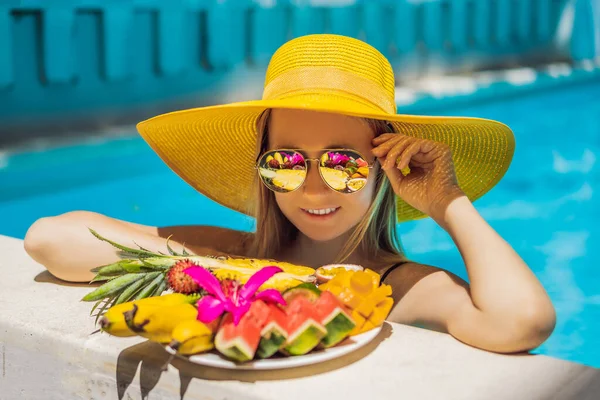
(344, 171)
(282, 171)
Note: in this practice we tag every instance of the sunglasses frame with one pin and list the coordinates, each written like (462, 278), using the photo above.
(306, 161)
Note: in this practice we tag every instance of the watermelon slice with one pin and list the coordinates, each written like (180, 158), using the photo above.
(240, 342)
(305, 332)
(274, 334)
(333, 315)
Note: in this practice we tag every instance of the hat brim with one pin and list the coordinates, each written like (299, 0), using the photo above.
(213, 148)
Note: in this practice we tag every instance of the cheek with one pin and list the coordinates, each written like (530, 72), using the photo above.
(362, 200)
(285, 201)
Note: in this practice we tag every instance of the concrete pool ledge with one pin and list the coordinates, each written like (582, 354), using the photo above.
(47, 352)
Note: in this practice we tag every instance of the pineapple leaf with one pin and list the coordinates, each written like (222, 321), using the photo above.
(111, 269)
(112, 286)
(171, 252)
(141, 248)
(133, 288)
(107, 304)
(124, 249)
(96, 306)
(183, 252)
(155, 267)
(148, 290)
(161, 287)
(139, 266)
(101, 278)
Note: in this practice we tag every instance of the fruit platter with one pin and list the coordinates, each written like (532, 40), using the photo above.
(239, 313)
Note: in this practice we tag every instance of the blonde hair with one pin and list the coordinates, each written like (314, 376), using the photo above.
(375, 235)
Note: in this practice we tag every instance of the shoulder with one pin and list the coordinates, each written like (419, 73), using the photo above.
(208, 239)
(423, 294)
(407, 274)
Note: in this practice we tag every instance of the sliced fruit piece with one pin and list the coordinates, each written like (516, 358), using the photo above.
(364, 171)
(268, 173)
(289, 179)
(361, 282)
(359, 320)
(350, 298)
(328, 272)
(374, 276)
(334, 317)
(240, 342)
(274, 334)
(306, 290)
(335, 178)
(355, 184)
(366, 307)
(379, 294)
(361, 163)
(368, 326)
(342, 279)
(381, 311)
(336, 290)
(305, 332)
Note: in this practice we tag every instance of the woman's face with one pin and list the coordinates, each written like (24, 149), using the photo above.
(312, 132)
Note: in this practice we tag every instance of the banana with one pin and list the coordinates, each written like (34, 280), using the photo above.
(192, 337)
(113, 321)
(157, 323)
(279, 158)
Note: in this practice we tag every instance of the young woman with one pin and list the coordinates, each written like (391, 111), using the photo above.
(328, 169)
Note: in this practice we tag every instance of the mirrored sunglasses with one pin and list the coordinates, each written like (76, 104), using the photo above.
(284, 170)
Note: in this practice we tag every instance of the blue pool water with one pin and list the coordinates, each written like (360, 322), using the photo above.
(544, 207)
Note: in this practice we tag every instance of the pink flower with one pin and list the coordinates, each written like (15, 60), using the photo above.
(237, 299)
(296, 159)
(338, 159)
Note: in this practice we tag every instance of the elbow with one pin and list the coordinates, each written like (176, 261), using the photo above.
(507, 332)
(39, 244)
(535, 324)
(38, 239)
(527, 329)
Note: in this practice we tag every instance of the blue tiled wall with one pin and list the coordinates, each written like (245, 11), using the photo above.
(100, 60)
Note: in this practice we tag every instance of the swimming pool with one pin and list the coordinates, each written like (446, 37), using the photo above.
(544, 207)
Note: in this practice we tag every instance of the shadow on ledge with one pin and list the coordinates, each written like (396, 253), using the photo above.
(154, 358)
(47, 277)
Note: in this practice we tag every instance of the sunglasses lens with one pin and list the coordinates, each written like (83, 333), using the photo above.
(345, 171)
(282, 171)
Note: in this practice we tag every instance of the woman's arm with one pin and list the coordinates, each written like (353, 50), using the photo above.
(64, 245)
(506, 309)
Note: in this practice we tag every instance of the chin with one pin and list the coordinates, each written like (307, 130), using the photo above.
(321, 235)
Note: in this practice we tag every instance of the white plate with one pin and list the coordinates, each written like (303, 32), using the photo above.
(214, 359)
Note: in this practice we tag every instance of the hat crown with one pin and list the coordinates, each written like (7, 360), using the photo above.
(323, 58)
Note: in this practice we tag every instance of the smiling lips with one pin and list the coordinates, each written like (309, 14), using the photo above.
(320, 212)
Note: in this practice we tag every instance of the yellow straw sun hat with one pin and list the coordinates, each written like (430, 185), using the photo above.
(213, 148)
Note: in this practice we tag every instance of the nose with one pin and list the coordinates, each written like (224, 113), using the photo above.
(314, 184)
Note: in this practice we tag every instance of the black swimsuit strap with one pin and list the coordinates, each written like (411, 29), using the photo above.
(390, 269)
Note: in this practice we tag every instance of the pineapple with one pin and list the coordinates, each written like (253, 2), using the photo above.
(147, 274)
